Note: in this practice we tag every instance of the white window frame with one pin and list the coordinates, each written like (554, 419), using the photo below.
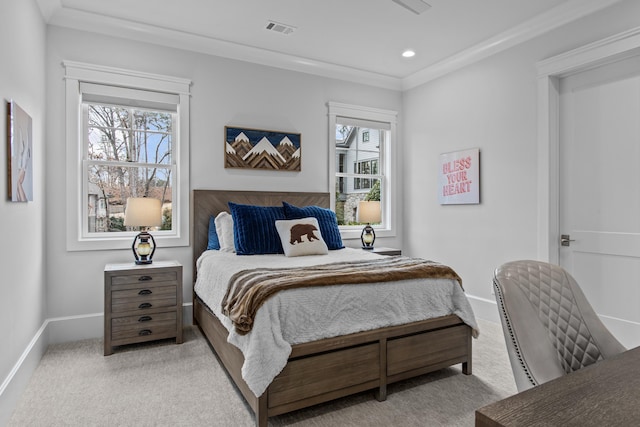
(77, 73)
(387, 166)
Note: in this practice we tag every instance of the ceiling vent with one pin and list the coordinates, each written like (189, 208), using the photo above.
(415, 6)
(279, 28)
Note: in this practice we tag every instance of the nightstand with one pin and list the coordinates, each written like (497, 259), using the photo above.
(142, 303)
(385, 251)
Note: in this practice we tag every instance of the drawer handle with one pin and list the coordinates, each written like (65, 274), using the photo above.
(144, 332)
(145, 318)
(145, 292)
(145, 278)
(145, 305)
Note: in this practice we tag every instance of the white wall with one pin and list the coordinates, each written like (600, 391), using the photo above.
(22, 261)
(491, 105)
(224, 92)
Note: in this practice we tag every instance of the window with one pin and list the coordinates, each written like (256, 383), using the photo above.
(125, 138)
(128, 152)
(362, 141)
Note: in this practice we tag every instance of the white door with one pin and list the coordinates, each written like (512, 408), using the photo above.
(600, 191)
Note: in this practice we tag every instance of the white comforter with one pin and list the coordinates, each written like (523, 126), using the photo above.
(302, 315)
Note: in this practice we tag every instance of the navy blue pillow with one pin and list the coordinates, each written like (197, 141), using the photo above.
(254, 229)
(326, 219)
(214, 242)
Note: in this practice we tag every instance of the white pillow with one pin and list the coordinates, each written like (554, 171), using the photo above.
(224, 230)
(301, 237)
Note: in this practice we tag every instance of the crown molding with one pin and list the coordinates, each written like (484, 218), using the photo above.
(55, 14)
(85, 21)
(553, 18)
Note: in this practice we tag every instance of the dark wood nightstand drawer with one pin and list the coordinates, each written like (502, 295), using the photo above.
(143, 278)
(147, 294)
(142, 319)
(143, 304)
(152, 326)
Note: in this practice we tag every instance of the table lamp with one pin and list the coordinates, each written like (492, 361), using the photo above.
(143, 212)
(369, 212)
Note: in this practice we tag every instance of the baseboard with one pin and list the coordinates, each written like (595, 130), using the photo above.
(16, 382)
(75, 328)
(53, 331)
(87, 326)
(484, 309)
(625, 331)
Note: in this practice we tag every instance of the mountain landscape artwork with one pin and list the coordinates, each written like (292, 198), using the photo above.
(261, 149)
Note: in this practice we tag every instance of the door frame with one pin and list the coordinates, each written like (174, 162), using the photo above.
(550, 71)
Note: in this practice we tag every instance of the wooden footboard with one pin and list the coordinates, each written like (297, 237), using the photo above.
(327, 369)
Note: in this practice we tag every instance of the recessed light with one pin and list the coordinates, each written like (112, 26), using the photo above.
(408, 53)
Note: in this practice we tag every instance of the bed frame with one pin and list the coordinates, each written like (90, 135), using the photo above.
(327, 369)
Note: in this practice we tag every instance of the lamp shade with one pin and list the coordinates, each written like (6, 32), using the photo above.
(143, 212)
(369, 212)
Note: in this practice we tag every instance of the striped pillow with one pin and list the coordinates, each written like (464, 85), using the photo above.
(254, 229)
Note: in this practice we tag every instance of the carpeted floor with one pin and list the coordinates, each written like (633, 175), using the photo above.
(163, 384)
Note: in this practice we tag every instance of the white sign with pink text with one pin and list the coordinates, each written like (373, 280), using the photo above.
(459, 177)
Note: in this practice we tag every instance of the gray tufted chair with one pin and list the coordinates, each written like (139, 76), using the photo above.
(549, 326)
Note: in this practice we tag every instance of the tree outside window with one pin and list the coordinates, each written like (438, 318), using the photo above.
(129, 153)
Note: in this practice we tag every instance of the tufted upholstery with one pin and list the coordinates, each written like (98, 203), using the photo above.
(549, 326)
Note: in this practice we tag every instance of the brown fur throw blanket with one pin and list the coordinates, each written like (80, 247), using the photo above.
(249, 289)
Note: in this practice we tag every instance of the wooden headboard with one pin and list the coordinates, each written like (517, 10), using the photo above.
(212, 202)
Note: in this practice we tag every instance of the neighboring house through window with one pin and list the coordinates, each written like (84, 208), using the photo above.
(362, 165)
(124, 135)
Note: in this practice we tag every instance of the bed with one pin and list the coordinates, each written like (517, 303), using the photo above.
(325, 369)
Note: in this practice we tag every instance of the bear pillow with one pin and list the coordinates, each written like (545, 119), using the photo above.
(301, 237)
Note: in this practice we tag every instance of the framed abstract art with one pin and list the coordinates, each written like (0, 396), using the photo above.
(261, 149)
(19, 154)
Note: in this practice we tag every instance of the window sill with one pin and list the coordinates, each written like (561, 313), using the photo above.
(352, 234)
(124, 242)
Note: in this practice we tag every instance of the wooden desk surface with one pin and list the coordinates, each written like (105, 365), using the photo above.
(606, 393)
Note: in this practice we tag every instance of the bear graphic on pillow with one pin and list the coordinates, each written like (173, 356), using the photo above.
(292, 234)
(299, 230)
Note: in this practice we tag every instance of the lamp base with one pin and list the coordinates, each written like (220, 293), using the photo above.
(143, 247)
(368, 237)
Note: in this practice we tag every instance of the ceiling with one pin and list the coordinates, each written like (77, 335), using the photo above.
(358, 40)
